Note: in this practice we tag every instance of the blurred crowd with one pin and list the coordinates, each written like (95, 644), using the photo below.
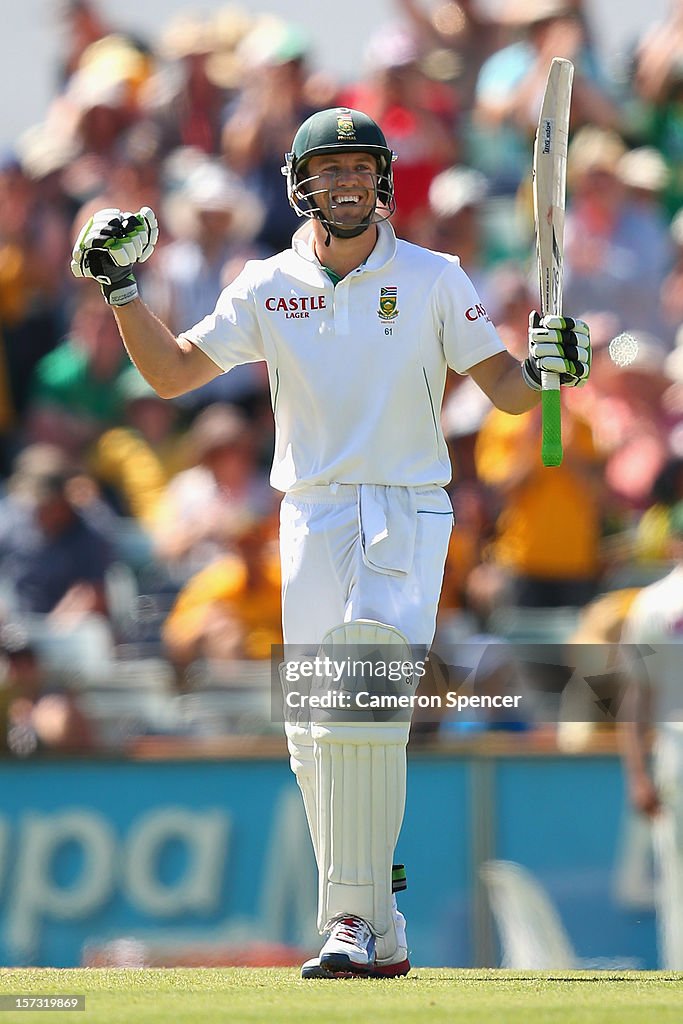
(145, 530)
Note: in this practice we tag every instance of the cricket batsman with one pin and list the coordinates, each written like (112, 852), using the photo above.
(654, 698)
(357, 329)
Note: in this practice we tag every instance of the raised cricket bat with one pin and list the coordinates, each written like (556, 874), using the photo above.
(549, 187)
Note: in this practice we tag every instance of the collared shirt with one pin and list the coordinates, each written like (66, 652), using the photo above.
(357, 370)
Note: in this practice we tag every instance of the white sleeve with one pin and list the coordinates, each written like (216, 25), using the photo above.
(231, 335)
(645, 622)
(467, 331)
(642, 632)
(632, 630)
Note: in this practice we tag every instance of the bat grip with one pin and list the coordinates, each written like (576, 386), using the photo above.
(551, 412)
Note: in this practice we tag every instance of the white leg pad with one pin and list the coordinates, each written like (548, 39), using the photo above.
(360, 783)
(302, 763)
(361, 792)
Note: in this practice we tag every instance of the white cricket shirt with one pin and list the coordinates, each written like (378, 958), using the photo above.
(357, 371)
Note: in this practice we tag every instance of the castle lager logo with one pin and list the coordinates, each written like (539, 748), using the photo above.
(388, 297)
(295, 307)
(476, 313)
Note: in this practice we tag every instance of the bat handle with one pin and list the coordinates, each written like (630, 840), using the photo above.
(551, 413)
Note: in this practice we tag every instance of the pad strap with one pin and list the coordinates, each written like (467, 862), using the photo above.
(399, 879)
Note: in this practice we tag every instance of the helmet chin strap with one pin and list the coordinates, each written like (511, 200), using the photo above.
(340, 232)
(332, 229)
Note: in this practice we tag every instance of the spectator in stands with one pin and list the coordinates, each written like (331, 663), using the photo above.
(215, 219)
(455, 222)
(530, 567)
(658, 56)
(671, 294)
(31, 271)
(134, 460)
(541, 568)
(82, 24)
(230, 609)
(52, 561)
(466, 546)
(73, 393)
(511, 83)
(33, 718)
(617, 250)
(100, 106)
(206, 507)
(658, 82)
(44, 153)
(455, 37)
(454, 225)
(186, 98)
(644, 175)
(631, 424)
(653, 530)
(673, 396)
(261, 122)
(417, 116)
(132, 175)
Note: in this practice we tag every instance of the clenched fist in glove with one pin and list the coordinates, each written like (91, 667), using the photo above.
(108, 247)
(560, 345)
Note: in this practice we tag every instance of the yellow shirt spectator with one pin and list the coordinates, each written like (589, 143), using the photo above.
(549, 527)
(231, 608)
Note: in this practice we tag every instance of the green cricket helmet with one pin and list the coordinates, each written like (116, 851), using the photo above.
(339, 130)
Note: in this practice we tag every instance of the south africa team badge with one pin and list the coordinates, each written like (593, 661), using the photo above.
(388, 297)
(346, 129)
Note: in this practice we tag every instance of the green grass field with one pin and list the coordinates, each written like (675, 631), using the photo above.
(279, 996)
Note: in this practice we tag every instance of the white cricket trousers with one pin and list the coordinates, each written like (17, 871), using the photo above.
(325, 580)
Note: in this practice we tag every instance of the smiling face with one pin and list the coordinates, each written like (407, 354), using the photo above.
(343, 186)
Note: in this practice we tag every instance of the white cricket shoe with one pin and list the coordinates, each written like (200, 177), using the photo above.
(398, 964)
(350, 946)
(349, 952)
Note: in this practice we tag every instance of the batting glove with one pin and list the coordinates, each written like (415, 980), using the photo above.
(559, 345)
(108, 247)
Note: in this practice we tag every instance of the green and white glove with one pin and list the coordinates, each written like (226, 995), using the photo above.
(108, 247)
(559, 345)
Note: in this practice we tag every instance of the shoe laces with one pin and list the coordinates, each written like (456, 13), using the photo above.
(351, 929)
